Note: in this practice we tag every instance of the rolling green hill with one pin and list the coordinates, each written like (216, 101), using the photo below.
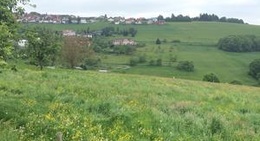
(197, 43)
(84, 105)
(208, 32)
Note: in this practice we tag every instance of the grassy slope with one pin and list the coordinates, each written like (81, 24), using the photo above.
(208, 32)
(35, 105)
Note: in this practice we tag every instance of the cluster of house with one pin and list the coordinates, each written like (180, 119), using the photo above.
(34, 17)
(137, 21)
(116, 42)
(124, 41)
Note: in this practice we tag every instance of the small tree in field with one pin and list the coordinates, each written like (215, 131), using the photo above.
(158, 41)
(75, 50)
(211, 77)
(159, 62)
(186, 66)
(254, 69)
(43, 46)
(133, 61)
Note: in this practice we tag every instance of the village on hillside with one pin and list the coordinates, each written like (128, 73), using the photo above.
(34, 17)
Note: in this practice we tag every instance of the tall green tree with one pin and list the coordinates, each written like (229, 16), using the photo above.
(9, 10)
(5, 42)
(43, 46)
(160, 18)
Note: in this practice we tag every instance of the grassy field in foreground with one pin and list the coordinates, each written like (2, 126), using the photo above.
(86, 105)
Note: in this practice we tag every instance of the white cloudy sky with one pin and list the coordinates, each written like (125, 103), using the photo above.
(248, 10)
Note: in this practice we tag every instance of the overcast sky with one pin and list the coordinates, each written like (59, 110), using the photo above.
(248, 10)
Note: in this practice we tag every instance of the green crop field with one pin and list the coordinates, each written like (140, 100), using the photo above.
(198, 43)
(85, 105)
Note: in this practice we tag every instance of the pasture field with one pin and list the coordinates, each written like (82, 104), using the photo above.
(86, 105)
(200, 32)
(198, 43)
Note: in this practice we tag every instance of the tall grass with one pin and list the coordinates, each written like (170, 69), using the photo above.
(84, 105)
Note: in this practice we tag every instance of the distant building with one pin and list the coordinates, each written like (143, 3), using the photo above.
(83, 21)
(110, 19)
(22, 43)
(124, 41)
(68, 33)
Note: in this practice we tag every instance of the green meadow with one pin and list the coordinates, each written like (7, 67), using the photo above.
(198, 43)
(86, 105)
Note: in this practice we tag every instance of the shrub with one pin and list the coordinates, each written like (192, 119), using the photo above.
(186, 66)
(128, 50)
(133, 61)
(3, 64)
(254, 69)
(152, 63)
(159, 62)
(176, 41)
(211, 77)
(91, 63)
(173, 58)
(141, 45)
(158, 41)
(236, 82)
(142, 59)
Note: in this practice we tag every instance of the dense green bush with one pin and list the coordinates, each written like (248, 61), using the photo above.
(128, 50)
(142, 59)
(176, 41)
(3, 64)
(211, 77)
(152, 63)
(186, 66)
(157, 62)
(133, 61)
(158, 41)
(91, 63)
(239, 43)
(254, 69)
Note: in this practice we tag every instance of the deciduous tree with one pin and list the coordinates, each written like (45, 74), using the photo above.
(43, 46)
(211, 77)
(5, 42)
(9, 9)
(254, 69)
(185, 66)
(75, 50)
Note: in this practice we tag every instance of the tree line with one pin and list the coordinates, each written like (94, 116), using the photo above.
(201, 17)
(239, 43)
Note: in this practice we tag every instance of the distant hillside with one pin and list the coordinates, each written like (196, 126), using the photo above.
(197, 42)
(85, 105)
